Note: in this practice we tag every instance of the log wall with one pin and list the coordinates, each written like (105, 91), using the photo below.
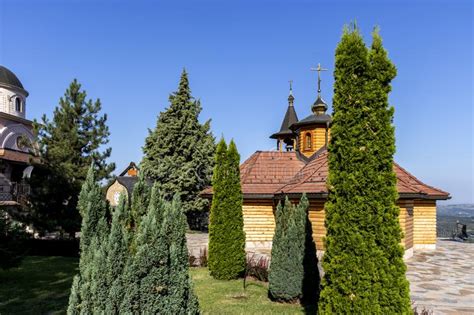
(406, 222)
(424, 224)
(259, 223)
(318, 139)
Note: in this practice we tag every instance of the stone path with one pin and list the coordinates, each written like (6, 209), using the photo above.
(440, 280)
(443, 280)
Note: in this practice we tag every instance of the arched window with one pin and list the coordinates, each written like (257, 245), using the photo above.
(18, 104)
(308, 142)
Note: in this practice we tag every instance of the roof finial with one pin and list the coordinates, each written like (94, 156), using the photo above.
(291, 98)
(319, 69)
(319, 107)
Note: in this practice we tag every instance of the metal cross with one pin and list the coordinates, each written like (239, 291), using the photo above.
(291, 85)
(319, 69)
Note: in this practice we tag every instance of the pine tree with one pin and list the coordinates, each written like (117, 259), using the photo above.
(178, 154)
(292, 255)
(68, 144)
(226, 235)
(364, 271)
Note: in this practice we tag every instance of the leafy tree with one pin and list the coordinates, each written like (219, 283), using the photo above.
(226, 235)
(178, 153)
(68, 144)
(364, 270)
(12, 242)
(294, 262)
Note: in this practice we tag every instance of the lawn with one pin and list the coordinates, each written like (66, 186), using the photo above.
(41, 285)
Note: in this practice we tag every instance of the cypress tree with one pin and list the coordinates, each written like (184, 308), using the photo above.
(181, 299)
(156, 278)
(364, 271)
(117, 255)
(140, 200)
(226, 235)
(178, 153)
(93, 230)
(292, 255)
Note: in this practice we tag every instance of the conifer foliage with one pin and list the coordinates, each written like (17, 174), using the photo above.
(132, 269)
(68, 143)
(363, 262)
(226, 234)
(178, 153)
(294, 271)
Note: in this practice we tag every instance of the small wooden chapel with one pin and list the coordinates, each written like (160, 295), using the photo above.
(300, 165)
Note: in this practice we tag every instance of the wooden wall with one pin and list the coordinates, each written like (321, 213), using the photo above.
(259, 220)
(417, 220)
(406, 222)
(316, 216)
(424, 224)
(318, 137)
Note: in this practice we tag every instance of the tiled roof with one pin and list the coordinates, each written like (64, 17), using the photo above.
(272, 172)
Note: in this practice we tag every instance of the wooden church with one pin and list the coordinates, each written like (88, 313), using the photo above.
(300, 165)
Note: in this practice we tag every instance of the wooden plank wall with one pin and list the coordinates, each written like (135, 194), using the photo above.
(115, 187)
(424, 222)
(316, 216)
(259, 220)
(318, 138)
(406, 222)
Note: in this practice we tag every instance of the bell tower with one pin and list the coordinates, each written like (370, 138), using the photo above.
(286, 136)
(313, 131)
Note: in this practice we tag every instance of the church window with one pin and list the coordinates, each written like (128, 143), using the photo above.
(18, 104)
(308, 141)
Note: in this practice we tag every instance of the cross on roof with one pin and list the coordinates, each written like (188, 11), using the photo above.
(319, 69)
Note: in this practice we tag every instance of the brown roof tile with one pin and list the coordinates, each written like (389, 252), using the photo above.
(273, 172)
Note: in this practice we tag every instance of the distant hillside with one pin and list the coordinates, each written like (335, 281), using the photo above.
(462, 211)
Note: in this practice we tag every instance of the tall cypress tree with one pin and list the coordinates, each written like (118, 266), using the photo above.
(178, 154)
(226, 235)
(361, 257)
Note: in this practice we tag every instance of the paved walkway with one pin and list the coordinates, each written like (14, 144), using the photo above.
(440, 280)
(443, 280)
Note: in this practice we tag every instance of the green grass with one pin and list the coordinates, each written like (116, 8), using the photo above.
(229, 297)
(40, 285)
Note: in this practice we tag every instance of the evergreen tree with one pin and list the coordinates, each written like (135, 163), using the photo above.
(117, 255)
(292, 255)
(93, 232)
(68, 144)
(178, 154)
(226, 235)
(181, 298)
(140, 200)
(12, 241)
(364, 271)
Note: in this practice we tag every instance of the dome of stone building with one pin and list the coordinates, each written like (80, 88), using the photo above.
(9, 78)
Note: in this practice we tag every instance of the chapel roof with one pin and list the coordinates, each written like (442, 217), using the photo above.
(269, 173)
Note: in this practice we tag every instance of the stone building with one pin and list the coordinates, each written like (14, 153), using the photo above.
(17, 146)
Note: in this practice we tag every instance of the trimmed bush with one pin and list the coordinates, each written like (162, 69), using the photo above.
(226, 234)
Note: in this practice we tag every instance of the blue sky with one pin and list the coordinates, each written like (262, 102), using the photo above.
(240, 56)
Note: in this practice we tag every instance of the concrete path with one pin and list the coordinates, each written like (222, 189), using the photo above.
(443, 280)
(440, 280)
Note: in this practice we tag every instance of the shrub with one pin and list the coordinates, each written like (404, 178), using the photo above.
(257, 267)
(294, 259)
